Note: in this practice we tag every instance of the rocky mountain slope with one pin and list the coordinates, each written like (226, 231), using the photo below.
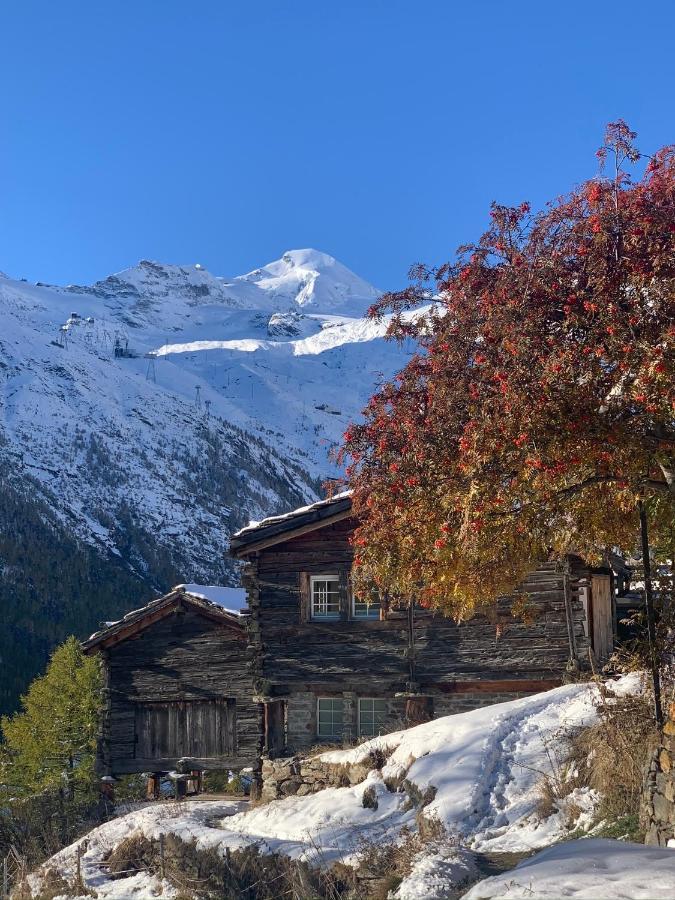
(154, 412)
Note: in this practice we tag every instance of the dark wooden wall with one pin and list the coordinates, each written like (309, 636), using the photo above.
(296, 654)
(180, 688)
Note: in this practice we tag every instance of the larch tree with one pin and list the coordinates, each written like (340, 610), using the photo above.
(538, 416)
(50, 743)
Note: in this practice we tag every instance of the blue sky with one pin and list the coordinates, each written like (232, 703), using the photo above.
(227, 132)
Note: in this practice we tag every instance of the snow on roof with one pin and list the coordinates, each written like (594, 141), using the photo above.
(228, 599)
(231, 599)
(272, 520)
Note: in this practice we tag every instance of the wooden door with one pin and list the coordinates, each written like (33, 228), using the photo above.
(602, 626)
(202, 729)
(275, 727)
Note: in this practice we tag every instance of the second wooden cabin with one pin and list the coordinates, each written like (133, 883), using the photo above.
(178, 689)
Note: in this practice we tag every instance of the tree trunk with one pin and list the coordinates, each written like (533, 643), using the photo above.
(651, 622)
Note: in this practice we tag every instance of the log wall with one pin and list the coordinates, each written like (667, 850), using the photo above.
(485, 660)
(186, 675)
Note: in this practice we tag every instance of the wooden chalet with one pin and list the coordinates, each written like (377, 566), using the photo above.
(178, 689)
(329, 667)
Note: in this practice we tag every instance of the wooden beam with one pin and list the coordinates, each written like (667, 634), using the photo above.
(506, 686)
(128, 765)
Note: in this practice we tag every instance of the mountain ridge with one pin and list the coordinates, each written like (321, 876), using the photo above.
(151, 418)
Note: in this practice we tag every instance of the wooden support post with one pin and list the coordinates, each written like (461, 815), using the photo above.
(5, 879)
(162, 858)
(180, 788)
(197, 780)
(108, 788)
(153, 787)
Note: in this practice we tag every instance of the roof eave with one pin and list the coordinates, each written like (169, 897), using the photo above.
(153, 612)
(276, 532)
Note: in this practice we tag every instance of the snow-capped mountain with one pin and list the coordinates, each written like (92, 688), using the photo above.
(311, 280)
(183, 403)
(305, 279)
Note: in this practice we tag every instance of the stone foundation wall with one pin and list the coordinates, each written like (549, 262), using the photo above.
(657, 813)
(300, 775)
(450, 704)
(302, 725)
(293, 775)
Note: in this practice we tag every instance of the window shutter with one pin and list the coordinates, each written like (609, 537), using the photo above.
(344, 595)
(305, 598)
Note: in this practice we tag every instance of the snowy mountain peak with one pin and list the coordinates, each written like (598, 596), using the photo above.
(310, 278)
(154, 280)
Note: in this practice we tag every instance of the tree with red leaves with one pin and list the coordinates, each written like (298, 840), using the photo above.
(538, 416)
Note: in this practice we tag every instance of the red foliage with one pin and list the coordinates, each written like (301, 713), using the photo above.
(540, 403)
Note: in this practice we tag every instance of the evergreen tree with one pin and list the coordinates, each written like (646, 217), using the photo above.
(51, 742)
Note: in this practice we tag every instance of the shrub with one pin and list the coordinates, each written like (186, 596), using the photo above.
(246, 874)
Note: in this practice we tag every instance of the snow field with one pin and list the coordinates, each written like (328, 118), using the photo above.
(593, 868)
(102, 434)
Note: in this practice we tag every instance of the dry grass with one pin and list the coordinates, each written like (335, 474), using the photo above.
(245, 874)
(384, 864)
(52, 885)
(608, 757)
(611, 755)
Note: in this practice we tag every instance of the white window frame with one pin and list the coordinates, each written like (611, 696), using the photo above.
(359, 617)
(333, 735)
(372, 700)
(327, 617)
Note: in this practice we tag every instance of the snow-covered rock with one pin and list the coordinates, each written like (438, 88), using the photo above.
(286, 324)
(434, 873)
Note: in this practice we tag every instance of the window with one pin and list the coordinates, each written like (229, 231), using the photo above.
(330, 713)
(366, 607)
(372, 716)
(325, 596)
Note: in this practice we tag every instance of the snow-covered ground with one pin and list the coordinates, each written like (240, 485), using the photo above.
(593, 868)
(222, 402)
(478, 771)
